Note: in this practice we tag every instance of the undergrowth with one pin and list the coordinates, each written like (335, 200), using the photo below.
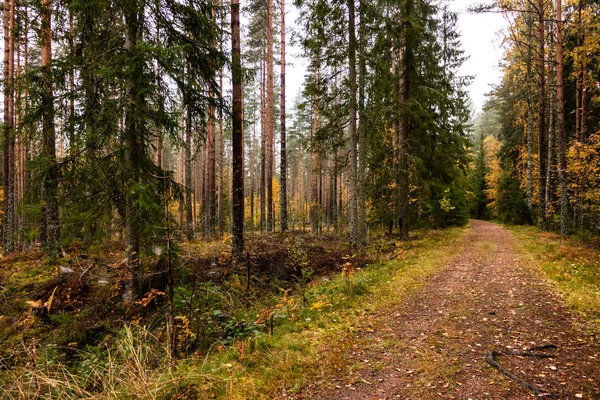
(277, 344)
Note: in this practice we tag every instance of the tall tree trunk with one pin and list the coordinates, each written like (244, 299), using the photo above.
(333, 200)
(362, 132)
(19, 137)
(283, 165)
(551, 125)
(187, 167)
(529, 116)
(133, 152)
(314, 165)
(352, 181)
(270, 116)
(542, 142)
(8, 227)
(158, 158)
(263, 150)
(211, 153)
(49, 135)
(237, 136)
(406, 62)
(221, 206)
(252, 175)
(210, 192)
(71, 86)
(562, 151)
(23, 181)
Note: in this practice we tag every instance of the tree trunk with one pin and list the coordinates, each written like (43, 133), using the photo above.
(210, 192)
(542, 142)
(283, 166)
(133, 150)
(221, 206)
(562, 151)
(8, 227)
(49, 135)
(189, 187)
(158, 159)
(263, 151)
(529, 117)
(406, 62)
(551, 125)
(314, 166)
(362, 135)
(23, 181)
(252, 176)
(237, 136)
(71, 86)
(353, 139)
(270, 104)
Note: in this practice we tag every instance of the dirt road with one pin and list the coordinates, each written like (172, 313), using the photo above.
(435, 345)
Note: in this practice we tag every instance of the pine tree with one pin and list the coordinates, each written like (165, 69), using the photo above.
(237, 136)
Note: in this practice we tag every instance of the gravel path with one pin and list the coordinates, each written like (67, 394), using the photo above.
(436, 344)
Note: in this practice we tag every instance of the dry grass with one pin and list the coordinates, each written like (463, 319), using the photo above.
(572, 267)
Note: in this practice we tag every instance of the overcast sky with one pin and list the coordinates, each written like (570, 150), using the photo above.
(480, 39)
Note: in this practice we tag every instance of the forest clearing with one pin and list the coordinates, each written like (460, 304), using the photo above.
(305, 199)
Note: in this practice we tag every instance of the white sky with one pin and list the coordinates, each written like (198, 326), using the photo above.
(480, 39)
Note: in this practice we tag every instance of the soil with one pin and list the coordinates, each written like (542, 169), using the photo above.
(484, 299)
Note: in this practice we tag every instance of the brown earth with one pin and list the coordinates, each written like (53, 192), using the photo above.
(435, 345)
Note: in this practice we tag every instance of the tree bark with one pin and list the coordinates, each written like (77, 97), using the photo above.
(49, 134)
(237, 136)
(270, 115)
(252, 175)
(283, 165)
(221, 206)
(529, 117)
(189, 187)
(362, 134)
(353, 139)
(562, 151)
(263, 150)
(542, 142)
(210, 192)
(406, 61)
(133, 152)
(158, 158)
(314, 165)
(8, 228)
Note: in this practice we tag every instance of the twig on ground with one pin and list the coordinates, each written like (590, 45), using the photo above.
(491, 359)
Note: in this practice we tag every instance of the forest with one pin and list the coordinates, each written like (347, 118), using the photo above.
(174, 226)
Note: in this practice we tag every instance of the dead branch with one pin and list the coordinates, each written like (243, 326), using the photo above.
(491, 359)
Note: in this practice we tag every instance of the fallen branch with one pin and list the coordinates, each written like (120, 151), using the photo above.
(544, 347)
(402, 251)
(527, 354)
(491, 359)
(530, 352)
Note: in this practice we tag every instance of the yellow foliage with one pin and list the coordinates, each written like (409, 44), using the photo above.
(322, 302)
(492, 177)
(583, 171)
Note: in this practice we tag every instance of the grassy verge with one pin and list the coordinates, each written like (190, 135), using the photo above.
(572, 266)
(308, 340)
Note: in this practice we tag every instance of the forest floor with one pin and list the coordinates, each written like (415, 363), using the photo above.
(487, 298)
(402, 320)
